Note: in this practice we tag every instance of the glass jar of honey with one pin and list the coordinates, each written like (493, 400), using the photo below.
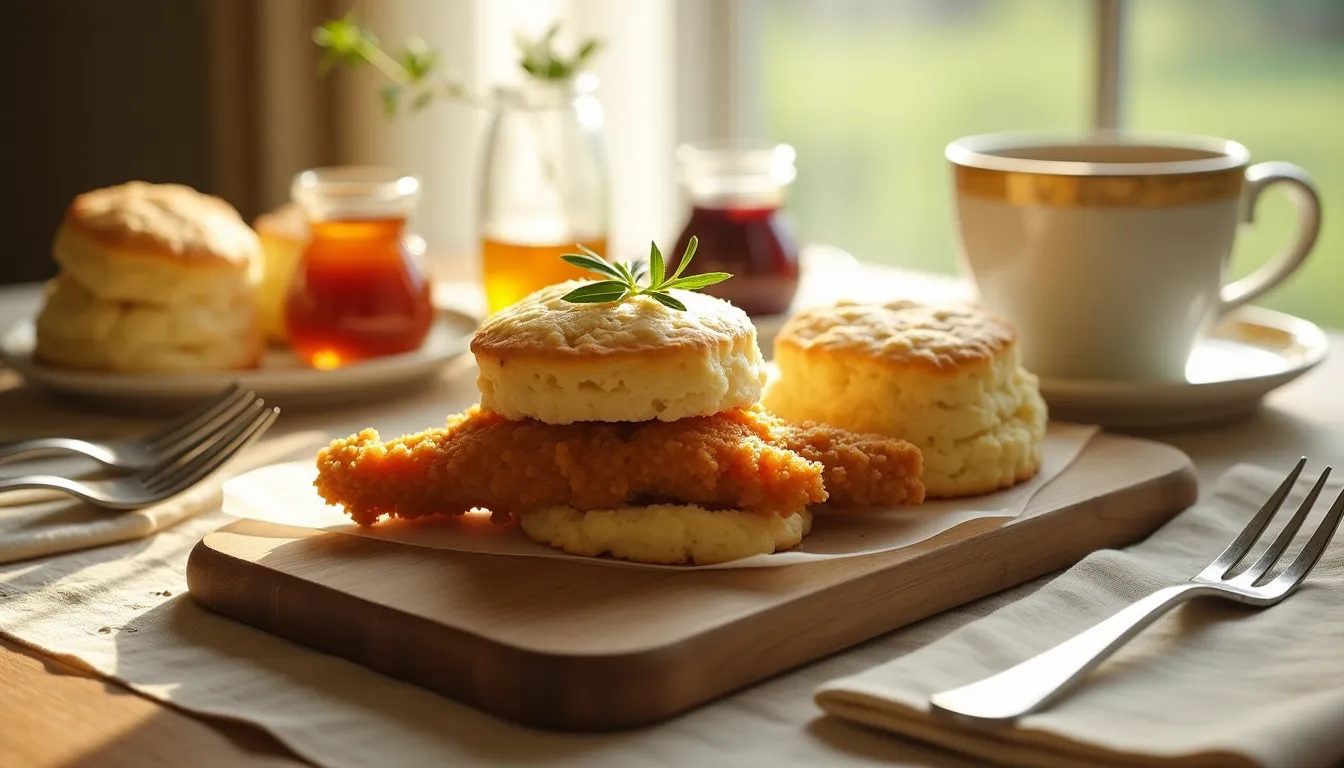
(358, 291)
(736, 191)
(543, 187)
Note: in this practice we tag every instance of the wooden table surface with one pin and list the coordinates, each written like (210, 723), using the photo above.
(54, 714)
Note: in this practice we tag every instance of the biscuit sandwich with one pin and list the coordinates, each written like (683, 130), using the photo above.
(627, 426)
(947, 379)
(153, 278)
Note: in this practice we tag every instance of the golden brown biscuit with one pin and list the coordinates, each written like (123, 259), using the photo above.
(637, 360)
(154, 277)
(947, 379)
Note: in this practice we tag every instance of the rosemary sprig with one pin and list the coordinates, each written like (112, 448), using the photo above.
(623, 279)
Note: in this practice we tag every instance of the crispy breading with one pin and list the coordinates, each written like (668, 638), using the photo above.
(482, 460)
(740, 459)
(862, 469)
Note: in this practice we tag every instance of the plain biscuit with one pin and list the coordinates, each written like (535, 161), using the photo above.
(947, 379)
(670, 534)
(78, 330)
(636, 360)
(154, 277)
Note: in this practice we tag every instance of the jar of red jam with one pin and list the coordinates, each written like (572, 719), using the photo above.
(736, 191)
(358, 291)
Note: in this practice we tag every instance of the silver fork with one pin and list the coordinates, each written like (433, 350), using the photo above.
(149, 451)
(1044, 678)
(149, 487)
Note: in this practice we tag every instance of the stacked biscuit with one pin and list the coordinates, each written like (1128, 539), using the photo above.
(153, 277)
(636, 361)
(627, 429)
(946, 378)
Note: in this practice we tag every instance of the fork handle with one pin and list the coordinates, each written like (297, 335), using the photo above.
(1043, 678)
(48, 482)
(40, 445)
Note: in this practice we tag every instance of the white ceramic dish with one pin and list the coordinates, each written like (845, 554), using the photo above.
(1248, 354)
(282, 380)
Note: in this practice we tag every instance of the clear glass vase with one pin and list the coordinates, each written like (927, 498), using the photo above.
(543, 187)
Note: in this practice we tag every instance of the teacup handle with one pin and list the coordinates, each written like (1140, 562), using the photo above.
(1302, 190)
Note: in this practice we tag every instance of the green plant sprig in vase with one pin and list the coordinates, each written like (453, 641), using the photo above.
(413, 69)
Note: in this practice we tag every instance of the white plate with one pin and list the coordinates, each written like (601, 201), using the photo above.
(282, 380)
(1247, 355)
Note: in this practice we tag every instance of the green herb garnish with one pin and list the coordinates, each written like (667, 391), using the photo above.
(413, 69)
(623, 279)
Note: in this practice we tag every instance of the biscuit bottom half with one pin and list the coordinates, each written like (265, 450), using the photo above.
(666, 534)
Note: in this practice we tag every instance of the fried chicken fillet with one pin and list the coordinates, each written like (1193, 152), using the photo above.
(739, 459)
(861, 469)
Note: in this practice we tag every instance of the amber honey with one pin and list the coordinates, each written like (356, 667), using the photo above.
(357, 293)
(513, 270)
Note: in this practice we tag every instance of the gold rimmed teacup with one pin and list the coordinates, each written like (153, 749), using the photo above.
(1109, 252)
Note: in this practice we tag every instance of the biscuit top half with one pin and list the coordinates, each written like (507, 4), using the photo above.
(169, 221)
(902, 333)
(543, 325)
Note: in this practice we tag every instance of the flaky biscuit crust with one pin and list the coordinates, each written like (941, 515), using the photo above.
(543, 326)
(900, 333)
(948, 380)
(636, 360)
(167, 221)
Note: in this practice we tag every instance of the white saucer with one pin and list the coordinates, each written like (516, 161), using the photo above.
(281, 380)
(1247, 355)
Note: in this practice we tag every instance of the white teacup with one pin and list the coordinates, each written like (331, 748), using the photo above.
(1110, 253)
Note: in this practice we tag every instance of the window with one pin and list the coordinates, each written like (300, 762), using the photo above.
(1271, 76)
(870, 91)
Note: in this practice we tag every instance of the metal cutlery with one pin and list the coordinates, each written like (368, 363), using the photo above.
(156, 484)
(1041, 680)
(149, 451)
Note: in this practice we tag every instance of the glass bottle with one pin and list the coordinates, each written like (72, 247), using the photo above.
(543, 187)
(359, 291)
(737, 191)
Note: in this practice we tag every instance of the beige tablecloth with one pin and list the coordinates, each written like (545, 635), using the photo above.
(139, 627)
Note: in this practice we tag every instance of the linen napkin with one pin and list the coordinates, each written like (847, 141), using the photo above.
(1212, 683)
(40, 523)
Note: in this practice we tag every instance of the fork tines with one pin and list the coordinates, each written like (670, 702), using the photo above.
(186, 470)
(1257, 574)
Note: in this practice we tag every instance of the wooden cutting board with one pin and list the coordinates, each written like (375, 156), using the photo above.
(576, 646)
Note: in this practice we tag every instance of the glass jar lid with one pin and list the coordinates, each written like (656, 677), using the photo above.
(355, 192)
(739, 172)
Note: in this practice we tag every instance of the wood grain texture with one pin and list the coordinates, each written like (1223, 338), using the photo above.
(573, 646)
(54, 714)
